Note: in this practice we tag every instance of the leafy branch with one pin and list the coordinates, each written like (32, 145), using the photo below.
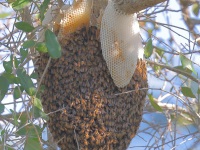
(174, 70)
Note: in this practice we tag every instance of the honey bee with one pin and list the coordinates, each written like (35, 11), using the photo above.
(77, 118)
(92, 138)
(84, 108)
(68, 126)
(83, 102)
(77, 101)
(87, 135)
(87, 125)
(85, 142)
(82, 131)
(98, 142)
(103, 128)
(91, 121)
(131, 135)
(82, 125)
(96, 133)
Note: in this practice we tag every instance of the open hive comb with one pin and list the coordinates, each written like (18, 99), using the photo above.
(76, 17)
(121, 44)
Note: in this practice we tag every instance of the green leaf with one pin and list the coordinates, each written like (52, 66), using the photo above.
(15, 122)
(187, 63)
(32, 143)
(195, 9)
(3, 87)
(9, 148)
(187, 92)
(4, 15)
(183, 120)
(2, 107)
(11, 78)
(191, 84)
(183, 69)
(159, 51)
(29, 130)
(157, 69)
(19, 4)
(52, 44)
(29, 44)
(8, 66)
(38, 113)
(10, 1)
(16, 62)
(24, 26)
(3, 132)
(23, 131)
(23, 117)
(17, 92)
(154, 104)
(34, 75)
(150, 32)
(26, 82)
(148, 49)
(43, 9)
(41, 47)
(37, 103)
(23, 53)
(198, 91)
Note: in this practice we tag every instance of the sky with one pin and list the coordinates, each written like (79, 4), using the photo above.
(175, 19)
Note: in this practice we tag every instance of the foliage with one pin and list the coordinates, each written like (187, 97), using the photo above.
(171, 51)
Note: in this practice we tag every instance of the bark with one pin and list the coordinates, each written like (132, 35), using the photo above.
(133, 6)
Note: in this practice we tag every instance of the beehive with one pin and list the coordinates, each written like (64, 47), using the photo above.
(87, 112)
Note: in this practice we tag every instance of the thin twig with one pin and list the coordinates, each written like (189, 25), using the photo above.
(45, 70)
(174, 70)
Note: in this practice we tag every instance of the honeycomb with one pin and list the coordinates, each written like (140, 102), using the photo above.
(52, 20)
(121, 44)
(76, 17)
(67, 19)
(86, 109)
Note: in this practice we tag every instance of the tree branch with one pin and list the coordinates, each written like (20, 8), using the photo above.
(189, 21)
(171, 109)
(174, 70)
(133, 6)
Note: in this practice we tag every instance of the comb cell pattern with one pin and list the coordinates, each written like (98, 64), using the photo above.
(76, 17)
(121, 44)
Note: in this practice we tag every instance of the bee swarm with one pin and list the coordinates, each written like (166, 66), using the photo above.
(86, 111)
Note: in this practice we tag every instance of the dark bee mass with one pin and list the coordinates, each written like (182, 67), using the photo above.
(79, 84)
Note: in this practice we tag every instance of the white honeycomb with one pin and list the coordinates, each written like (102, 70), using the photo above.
(121, 44)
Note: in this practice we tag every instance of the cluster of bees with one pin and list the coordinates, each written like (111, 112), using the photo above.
(85, 108)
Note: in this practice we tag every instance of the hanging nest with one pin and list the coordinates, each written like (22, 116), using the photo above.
(86, 109)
